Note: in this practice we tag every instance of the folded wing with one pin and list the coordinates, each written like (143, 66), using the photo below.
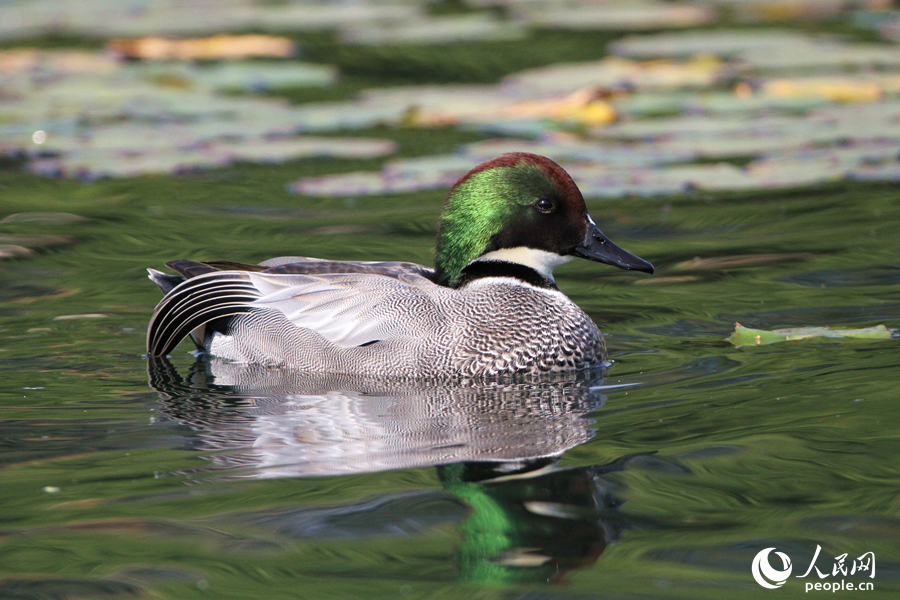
(349, 304)
(353, 309)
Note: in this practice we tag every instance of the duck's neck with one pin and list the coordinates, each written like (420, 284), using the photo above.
(526, 264)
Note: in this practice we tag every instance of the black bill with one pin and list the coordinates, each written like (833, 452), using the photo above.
(597, 247)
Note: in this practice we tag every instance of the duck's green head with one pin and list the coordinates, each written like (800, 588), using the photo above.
(520, 208)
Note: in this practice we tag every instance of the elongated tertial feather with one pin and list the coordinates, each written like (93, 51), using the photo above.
(196, 302)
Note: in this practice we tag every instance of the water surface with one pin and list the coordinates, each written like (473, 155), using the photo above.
(661, 477)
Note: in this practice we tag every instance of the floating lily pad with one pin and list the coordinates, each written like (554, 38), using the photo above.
(37, 240)
(50, 218)
(731, 262)
(667, 280)
(17, 246)
(745, 336)
(14, 251)
(432, 30)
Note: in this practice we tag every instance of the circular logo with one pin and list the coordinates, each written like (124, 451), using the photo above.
(763, 572)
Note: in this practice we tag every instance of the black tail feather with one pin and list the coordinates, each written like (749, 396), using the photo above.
(190, 268)
(165, 281)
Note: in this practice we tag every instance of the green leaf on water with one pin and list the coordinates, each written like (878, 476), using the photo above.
(744, 336)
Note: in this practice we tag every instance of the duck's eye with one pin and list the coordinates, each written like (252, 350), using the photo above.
(544, 205)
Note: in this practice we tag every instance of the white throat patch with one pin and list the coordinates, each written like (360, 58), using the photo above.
(540, 260)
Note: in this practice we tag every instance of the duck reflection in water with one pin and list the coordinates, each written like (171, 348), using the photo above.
(495, 445)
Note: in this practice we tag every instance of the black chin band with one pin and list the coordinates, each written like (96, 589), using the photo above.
(500, 268)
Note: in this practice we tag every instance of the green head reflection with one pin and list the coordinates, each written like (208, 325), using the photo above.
(528, 521)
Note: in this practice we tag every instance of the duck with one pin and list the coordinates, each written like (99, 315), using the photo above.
(489, 307)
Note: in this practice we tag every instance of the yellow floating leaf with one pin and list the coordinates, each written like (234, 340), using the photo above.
(745, 336)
